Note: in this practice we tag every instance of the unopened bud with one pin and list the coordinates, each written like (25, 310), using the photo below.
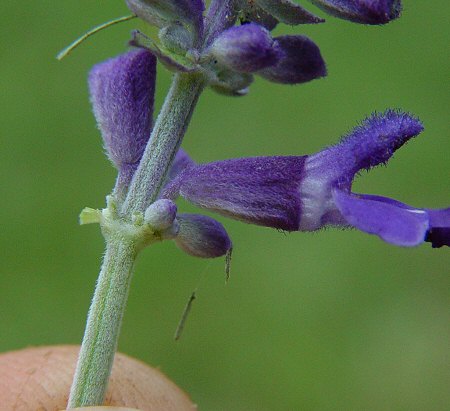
(202, 236)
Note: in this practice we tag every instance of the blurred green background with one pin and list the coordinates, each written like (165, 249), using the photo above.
(326, 321)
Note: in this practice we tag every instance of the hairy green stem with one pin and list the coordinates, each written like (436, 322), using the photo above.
(103, 324)
(164, 142)
(109, 302)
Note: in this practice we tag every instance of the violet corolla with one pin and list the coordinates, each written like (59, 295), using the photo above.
(306, 193)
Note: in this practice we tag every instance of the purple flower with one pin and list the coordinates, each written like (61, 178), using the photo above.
(358, 11)
(251, 49)
(122, 94)
(306, 193)
(362, 11)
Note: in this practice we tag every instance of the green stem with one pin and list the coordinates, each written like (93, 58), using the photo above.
(103, 324)
(108, 305)
(164, 142)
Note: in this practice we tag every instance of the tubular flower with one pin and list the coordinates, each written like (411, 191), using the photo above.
(122, 95)
(307, 193)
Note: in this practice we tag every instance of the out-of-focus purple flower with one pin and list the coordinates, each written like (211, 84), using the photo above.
(286, 59)
(122, 94)
(362, 11)
(306, 193)
(285, 11)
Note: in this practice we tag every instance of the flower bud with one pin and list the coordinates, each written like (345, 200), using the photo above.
(246, 48)
(202, 236)
(161, 214)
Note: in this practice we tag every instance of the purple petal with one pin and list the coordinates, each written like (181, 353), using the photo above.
(397, 225)
(439, 232)
(122, 94)
(288, 12)
(301, 61)
(162, 12)
(246, 48)
(370, 144)
(259, 190)
(362, 11)
(202, 236)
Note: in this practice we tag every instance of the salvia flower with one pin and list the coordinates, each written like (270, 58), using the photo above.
(122, 94)
(307, 193)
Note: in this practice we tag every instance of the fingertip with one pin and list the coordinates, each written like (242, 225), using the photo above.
(40, 378)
